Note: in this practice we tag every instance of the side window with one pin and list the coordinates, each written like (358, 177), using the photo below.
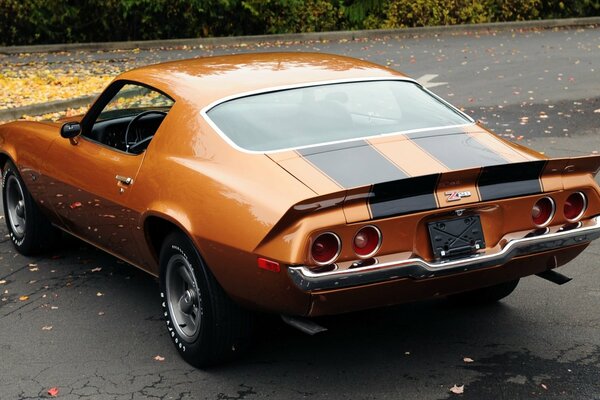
(131, 118)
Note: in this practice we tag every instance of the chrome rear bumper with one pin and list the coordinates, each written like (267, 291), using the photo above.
(511, 246)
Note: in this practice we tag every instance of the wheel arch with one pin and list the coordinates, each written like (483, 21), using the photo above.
(156, 229)
(4, 158)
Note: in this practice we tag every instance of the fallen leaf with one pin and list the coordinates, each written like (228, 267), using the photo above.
(101, 313)
(597, 110)
(33, 269)
(53, 392)
(468, 360)
(33, 265)
(53, 308)
(457, 389)
(98, 269)
(24, 298)
(544, 386)
(3, 281)
(99, 294)
(47, 328)
(159, 358)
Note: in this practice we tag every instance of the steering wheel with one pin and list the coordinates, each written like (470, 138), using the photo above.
(136, 120)
(140, 146)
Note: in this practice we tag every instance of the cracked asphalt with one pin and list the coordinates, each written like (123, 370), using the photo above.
(91, 325)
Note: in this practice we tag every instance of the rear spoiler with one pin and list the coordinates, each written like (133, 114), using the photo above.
(428, 192)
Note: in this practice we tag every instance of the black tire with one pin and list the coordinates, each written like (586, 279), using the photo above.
(28, 228)
(486, 295)
(206, 326)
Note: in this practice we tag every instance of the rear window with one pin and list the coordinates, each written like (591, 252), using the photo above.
(314, 115)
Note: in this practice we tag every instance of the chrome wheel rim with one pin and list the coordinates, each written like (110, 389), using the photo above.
(15, 205)
(183, 297)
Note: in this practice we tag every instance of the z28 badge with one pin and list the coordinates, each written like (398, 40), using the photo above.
(455, 196)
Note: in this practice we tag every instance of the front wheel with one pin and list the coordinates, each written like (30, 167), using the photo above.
(28, 228)
(486, 295)
(206, 326)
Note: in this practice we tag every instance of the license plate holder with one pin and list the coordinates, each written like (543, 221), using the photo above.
(455, 237)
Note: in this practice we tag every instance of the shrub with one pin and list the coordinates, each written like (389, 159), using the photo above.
(52, 21)
(287, 16)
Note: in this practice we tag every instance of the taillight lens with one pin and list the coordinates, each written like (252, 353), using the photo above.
(325, 248)
(542, 211)
(575, 206)
(367, 241)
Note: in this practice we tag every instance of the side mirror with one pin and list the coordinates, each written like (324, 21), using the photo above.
(70, 130)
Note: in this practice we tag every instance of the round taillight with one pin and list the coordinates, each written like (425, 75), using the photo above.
(543, 211)
(366, 241)
(575, 206)
(325, 248)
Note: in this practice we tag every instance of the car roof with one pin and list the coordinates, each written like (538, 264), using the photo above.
(202, 81)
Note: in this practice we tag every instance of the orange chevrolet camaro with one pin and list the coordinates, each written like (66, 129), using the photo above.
(298, 184)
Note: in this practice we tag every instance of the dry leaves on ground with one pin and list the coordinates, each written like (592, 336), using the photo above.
(457, 389)
(25, 86)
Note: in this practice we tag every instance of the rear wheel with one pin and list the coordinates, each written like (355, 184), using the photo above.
(486, 295)
(206, 326)
(28, 228)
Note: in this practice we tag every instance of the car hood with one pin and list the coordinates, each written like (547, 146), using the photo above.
(346, 165)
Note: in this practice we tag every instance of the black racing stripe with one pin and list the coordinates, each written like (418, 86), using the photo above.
(352, 166)
(331, 147)
(403, 196)
(518, 179)
(435, 132)
(459, 151)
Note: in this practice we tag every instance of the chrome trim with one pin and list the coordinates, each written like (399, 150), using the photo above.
(552, 214)
(585, 204)
(206, 109)
(379, 240)
(125, 180)
(332, 259)
(417, 268)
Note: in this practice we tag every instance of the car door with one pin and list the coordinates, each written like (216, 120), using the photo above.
(96, 171)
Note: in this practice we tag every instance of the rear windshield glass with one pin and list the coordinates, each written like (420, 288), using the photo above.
(320, 114)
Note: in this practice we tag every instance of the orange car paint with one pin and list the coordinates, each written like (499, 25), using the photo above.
(237, 206)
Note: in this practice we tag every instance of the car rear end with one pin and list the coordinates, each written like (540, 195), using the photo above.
(397, 255)
(413, 199)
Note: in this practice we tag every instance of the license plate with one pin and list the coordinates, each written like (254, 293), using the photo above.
(456, 236)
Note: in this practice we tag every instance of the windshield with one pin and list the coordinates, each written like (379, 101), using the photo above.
(313, 115)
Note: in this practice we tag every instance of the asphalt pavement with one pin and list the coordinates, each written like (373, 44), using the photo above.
(80, 321)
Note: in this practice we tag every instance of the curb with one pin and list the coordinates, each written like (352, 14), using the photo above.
(305, 37)
(45, 108)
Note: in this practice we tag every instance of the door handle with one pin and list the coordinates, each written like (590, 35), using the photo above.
(125, 180)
